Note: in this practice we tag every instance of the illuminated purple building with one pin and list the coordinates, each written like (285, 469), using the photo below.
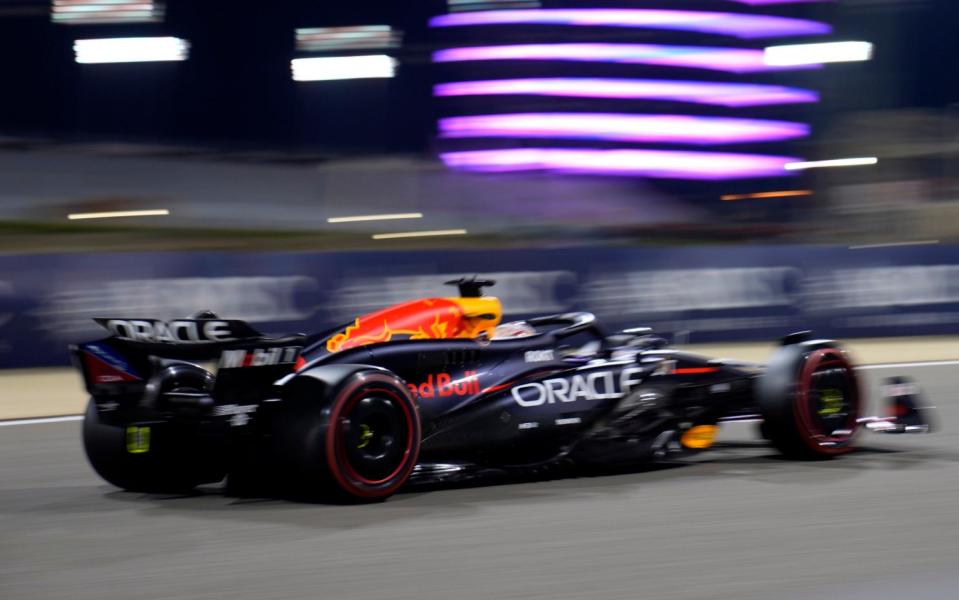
(648, 89)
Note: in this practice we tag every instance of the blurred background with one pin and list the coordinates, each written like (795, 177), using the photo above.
(723, 170)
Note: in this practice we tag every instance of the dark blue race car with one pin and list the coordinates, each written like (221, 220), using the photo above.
(439, 389)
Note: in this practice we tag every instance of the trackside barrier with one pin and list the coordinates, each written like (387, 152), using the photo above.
(698, 294)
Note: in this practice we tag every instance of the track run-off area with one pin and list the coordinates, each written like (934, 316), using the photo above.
(734, 522)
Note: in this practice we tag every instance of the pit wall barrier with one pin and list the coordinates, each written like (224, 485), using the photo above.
(697, 295)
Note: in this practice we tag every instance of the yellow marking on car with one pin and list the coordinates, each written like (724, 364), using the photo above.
(138, 440)
(366, 435)
(699, 437)
(831, 402)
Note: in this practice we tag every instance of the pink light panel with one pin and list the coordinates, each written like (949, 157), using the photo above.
(745, 26)
(679, 129)
(772, 2)
(633, 128)
(664, 164)
(697, 92)
(729, 60)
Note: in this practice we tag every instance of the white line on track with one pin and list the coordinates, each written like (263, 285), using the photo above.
(932, 363)
(40, 420)
(935, 363)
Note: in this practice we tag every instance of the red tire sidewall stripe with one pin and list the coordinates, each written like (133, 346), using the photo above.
(809, 433)
(348, 479)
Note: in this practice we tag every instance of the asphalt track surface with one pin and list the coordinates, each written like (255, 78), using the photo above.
(737, 522)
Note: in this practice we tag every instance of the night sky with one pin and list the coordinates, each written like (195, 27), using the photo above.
(236, 89)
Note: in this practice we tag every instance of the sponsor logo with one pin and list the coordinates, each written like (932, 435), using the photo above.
(597, 385)
(258, 357)
(534, 356)
(225, 410)
(239, 413)
(172, 332)
(443, 384)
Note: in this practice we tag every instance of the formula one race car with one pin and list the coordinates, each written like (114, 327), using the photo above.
(436, 388)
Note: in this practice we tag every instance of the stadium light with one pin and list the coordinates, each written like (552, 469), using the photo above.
(896, 244)
(385, 217)
(374, 66)
(361, 37)
(124, 50)
(119, 214)
(838, 162)
(96, 12)
(806, 54)
(765, 195)
(416, 234)
(474, 5)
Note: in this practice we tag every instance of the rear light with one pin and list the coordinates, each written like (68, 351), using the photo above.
(300, 363)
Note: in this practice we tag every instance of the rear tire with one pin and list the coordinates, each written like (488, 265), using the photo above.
(810, 401)
(170, 464)
(356, 441)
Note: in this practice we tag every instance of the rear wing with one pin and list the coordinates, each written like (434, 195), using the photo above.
(137, 347)
(193, 332)
(189, 339)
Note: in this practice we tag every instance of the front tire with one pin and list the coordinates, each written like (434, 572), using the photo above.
(355, 441)
(810, 401)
